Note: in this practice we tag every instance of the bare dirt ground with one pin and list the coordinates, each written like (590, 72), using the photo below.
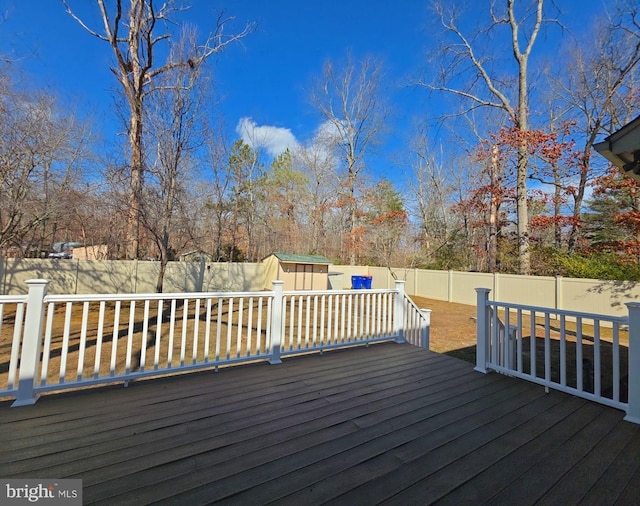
(453, 327)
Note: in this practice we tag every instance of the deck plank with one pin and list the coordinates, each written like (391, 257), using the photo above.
(541, 478)
(226, 424)
(619, 474)
(592, 467)
(313, 462)
(388, 423)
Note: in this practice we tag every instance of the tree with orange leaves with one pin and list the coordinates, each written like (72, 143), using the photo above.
(613, 219)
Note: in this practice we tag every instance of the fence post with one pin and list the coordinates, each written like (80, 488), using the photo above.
(559, 293)
(633, 408)
(399, 316)
(425, 331)
(482, 329)
(31, 342)
(276, 321)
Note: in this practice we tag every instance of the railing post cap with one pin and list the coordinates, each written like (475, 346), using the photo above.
(277, 282)
(632, 305)
(38, 281)
(480, 290)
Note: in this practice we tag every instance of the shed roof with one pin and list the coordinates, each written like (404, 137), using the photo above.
(302, 259)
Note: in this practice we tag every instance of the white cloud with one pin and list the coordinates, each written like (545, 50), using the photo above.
(326, 134)
(274, 139)
(324, 141)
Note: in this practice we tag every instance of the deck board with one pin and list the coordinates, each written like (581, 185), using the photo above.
(389, 424)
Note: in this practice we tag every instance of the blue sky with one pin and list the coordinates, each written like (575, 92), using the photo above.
(266, 78)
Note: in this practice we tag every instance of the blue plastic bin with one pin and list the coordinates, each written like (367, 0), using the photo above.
(357, 282)
(366, 282)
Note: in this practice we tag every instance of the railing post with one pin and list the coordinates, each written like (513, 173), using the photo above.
(31, 342)
(399, 316)
(425, 331)
(276, 321)
(633, 408)
(482, 329)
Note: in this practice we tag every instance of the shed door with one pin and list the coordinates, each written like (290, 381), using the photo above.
(304, 277)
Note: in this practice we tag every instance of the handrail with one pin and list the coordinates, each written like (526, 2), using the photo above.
(72, 341)
(588, 360)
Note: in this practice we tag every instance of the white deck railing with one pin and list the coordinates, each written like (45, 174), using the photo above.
(593, 356)
(57, 342)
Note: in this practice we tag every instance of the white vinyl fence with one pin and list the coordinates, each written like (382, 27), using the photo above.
(56, 342)
(589, 355)
(137, 276)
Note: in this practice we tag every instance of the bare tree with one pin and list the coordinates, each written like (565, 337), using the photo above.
(245, 177)
(217, 202)
(430, 185)
(318, 165)
(136, 36)
(598, 93)
(172, 117)
(41, 150)
(487, 89)
(349, 99)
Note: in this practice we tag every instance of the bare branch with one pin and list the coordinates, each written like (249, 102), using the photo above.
(85, 26)
(468, 50)
(464, 94)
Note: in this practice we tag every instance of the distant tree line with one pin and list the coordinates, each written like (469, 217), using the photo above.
(518, 190)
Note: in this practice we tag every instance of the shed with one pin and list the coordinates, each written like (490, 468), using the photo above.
(299, 272)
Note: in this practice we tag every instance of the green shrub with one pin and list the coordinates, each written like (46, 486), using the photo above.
(592, 265)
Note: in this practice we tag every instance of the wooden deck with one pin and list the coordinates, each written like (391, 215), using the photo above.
(389, 424)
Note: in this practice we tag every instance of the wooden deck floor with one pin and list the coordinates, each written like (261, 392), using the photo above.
(389, 424)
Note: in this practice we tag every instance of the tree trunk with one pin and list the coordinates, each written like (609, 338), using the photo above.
(522, 213)
(492, 248)
(557, 206)
(585, 161)
(135, 187)
(163, 267)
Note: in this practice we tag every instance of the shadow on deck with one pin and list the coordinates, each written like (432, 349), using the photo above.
(389, 424)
